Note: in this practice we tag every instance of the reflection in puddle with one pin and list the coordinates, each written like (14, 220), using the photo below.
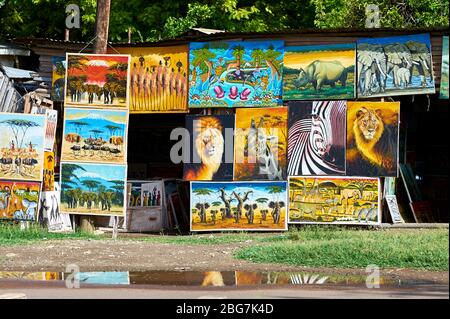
(207, 278)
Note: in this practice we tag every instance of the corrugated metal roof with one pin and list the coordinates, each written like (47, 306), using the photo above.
(14, 73)
(12, 49)
(207, 31)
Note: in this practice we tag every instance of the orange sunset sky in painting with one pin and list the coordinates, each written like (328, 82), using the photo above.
(297, 60)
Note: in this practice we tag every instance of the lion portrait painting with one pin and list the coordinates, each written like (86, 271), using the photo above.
(372, 138)
(207, 141)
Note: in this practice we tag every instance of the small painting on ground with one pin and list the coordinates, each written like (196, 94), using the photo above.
(235, 73)
(97, 80)
(238, 206)
(319, 72)
(19, 200)
(400, 65)
(93, 189)
(334, 200)
(95, 135)
(444, 69)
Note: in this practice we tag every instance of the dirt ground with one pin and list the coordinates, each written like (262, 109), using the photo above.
(131, 255)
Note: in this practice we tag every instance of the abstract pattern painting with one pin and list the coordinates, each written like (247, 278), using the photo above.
(95, 135)
(316, 138)
(211, 156)
(50, 129)
(334, 200)
(260, 144)
(238, 206)
(372, 138)
(21, 146)
(158, 82)
(48, 181)
(235, 73)
(93, 189)
(58, 78)
(319, 72)
(97, 80)
(400, 65)
(19, 200)
(443, 94)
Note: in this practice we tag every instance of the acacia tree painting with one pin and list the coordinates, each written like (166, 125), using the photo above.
(19, 129)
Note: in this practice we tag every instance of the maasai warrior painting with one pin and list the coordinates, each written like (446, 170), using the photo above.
(316, 139)
(238, 206)
(260, 144)
(235, 73)
(97, 80)
(334, 200)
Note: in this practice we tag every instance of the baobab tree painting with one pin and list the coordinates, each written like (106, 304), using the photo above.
(93, 189)
(158, 81)
(257, 205)
(95, 135)
(235, 73)
(21, 146)
(97, 80)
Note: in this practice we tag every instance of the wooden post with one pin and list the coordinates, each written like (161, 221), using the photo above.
(100, 46)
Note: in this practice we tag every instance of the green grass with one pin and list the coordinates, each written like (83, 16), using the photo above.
(13, 235)
(351, 248)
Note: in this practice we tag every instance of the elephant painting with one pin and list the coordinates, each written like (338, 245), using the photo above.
(395, 66)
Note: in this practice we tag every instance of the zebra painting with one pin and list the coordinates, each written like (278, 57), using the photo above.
(316, 138)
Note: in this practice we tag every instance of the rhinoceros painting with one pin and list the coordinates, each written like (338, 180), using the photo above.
(319, 72)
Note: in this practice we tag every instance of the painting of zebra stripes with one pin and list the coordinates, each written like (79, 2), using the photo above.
(316, 138)
(372, 138)
(260, 144)
(334, 200)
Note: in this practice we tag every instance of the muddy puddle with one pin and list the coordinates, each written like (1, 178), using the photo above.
(209, 278)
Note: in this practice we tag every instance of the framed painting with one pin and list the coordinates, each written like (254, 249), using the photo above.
(319, 72)
(211, 144)
(158, 82)
(260, 144)
(97, 80)
(257, 205)
(19, 200)
(235, 73)
(400, 65)
(373, 138)
(58, 78)
(95, 135)
(22, 146)
(316, 138)
(93, 189)
(443, 92)
(334, 200)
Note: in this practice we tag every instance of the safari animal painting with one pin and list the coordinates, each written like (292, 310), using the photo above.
(99, 80)
(22, 146)
(58, 78)
(316, 138)
(208, 157)
(257, 205)
(443, 94)
(372, 138)
(93, 189)
(260, 144)
(319, 72)
(95, 135)
(334, 200)
(158, 79)
(19, 200)
(235, 73)
(400, 65)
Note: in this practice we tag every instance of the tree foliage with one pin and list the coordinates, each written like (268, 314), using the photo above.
(151, 20)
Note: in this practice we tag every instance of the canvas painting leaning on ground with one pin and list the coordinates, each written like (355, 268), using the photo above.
(319, 72)
(95, 135)
(316, 138)
(93, 189)
(238, 206)
(158, 82)
(211, 148)
(444, 69)
(19, 200)
(334, 200)
(392, 66)
(21, 146)
(235, 73)
(260, 144)
(373, 138)
(97, 80)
